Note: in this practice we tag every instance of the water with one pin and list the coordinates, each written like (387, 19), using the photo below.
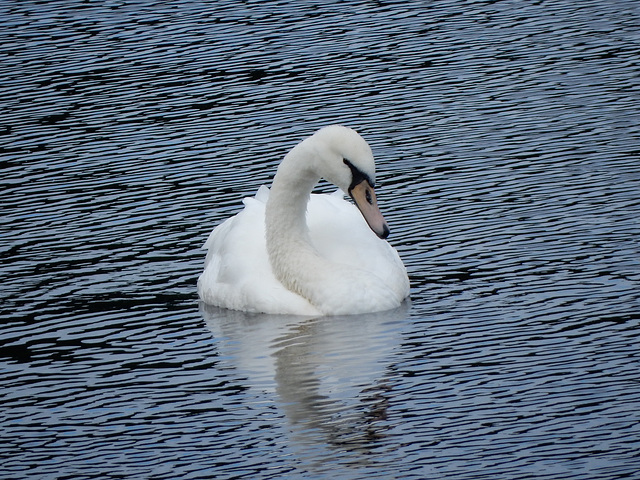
(508, 154)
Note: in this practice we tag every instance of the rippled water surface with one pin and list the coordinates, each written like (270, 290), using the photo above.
(508, 152)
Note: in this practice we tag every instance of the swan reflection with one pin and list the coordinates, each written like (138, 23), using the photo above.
(328, 375)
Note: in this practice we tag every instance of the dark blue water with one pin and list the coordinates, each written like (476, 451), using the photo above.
(508, 151)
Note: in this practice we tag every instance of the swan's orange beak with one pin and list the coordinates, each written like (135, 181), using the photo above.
(365, 197)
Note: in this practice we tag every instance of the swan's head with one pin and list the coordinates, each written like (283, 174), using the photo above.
(346, 161)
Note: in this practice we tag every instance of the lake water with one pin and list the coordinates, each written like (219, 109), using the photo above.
(508, 146)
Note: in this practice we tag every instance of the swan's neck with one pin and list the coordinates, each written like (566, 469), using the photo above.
(293, 259)
(287, 205)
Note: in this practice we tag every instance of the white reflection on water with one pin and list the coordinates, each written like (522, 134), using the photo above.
(328, 375)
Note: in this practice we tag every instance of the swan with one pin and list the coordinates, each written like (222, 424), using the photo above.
(292, 252)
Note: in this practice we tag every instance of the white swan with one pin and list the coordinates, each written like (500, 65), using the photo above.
(292, 252)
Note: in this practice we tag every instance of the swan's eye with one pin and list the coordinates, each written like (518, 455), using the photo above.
(367, 195)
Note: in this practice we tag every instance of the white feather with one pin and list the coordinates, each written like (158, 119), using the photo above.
(330, 260)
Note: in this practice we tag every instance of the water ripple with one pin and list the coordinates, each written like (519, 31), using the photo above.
(506, 137)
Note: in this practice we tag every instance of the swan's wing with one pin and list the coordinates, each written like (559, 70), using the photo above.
(340, 234)
(237, 273)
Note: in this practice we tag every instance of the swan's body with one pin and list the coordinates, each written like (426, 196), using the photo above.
(295, 253)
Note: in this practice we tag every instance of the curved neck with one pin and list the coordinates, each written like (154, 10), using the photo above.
(293, 259)
(287, 205)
